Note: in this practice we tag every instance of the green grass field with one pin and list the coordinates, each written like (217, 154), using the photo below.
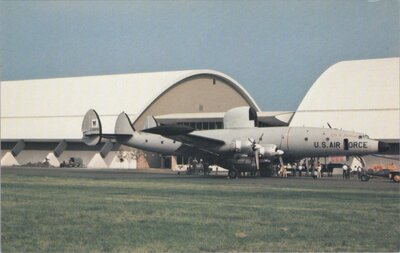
(51, 210)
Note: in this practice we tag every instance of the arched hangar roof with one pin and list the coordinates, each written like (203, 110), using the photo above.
(360, 95)
(54, 108)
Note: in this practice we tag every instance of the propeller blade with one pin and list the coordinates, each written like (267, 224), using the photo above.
(260, 139)
(253, 143)
(281, 161)
(257, 159)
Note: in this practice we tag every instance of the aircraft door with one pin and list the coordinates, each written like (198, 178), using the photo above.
(346, 144)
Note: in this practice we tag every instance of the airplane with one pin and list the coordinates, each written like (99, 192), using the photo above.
(240, 145)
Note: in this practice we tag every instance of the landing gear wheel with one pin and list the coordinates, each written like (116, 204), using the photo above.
(266, 172)
(364, 178)
(233, 173)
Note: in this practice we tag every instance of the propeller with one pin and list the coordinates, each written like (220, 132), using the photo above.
(256, 147)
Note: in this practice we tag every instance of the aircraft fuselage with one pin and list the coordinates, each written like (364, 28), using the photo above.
(296, 142)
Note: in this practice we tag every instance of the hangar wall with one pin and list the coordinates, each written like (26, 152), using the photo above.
(361, 95)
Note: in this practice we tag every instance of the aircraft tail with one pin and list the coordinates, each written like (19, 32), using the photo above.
(123, 125)
(92, 130)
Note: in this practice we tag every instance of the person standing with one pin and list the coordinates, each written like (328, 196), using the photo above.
(284, 171)
(287, 168)
(313, 171)
(305, 167)
(319, 169)
(295, 169)
(344, 167)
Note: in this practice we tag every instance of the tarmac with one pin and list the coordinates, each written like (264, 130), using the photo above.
(138, 174)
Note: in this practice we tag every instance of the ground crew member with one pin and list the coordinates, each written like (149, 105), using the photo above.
(319, 169)
(300, 169)
(344, 170)
(284, 172)
(313, 171)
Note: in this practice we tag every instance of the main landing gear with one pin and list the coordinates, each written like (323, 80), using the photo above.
(265, 171)
(233, 173)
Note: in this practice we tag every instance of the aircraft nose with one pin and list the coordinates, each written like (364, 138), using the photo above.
(383, 146)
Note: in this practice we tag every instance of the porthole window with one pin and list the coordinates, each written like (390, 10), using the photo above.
(162, 142)
(327, 138)
(306, 139)
(146, 141)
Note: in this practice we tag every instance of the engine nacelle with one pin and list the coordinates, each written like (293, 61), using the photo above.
(241, 146)
(248, 148)
(269, 150)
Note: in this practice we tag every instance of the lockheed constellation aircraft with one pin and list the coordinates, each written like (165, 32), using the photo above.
(239, 145)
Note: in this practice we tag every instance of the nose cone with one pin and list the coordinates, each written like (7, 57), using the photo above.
(383, 147)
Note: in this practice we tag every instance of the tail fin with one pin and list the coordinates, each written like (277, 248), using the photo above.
(91, 128)
(150, 122)
(123, 125)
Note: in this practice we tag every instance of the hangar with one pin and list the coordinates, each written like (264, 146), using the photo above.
(41, 119)
(359, 95)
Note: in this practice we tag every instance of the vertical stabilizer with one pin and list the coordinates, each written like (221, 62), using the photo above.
(123, 125)
(91, 128)
(150, 122)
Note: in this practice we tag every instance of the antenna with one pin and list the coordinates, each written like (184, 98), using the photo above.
(329, 125)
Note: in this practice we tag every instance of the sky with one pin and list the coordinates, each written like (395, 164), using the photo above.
(274, 49)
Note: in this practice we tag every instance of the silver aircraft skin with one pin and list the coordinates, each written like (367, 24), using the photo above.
(240, 146)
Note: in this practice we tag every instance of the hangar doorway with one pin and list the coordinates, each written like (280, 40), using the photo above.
(168, 162)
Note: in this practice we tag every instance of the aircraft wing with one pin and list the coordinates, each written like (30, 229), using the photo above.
(184, 135)
(187, 150)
